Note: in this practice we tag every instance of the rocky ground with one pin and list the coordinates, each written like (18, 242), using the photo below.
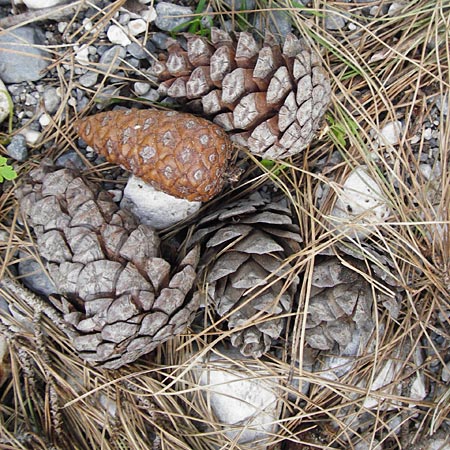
(350, 237)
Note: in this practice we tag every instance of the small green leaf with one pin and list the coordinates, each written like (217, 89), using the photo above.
(7, 172)
(267, 163)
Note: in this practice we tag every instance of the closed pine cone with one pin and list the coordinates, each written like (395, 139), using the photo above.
(340, 308)
(179, 154)
(246, 246)
(271, 99)
(120, 296)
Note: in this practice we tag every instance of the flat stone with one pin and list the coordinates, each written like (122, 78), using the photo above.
(88, 79)
(34, 277)
(111, 58)
(17, 148)
(169, 16)
(245, 406)
(155, 208)
(15, 66)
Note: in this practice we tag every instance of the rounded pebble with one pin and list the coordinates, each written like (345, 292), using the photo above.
(116, 35)
(137, 27)
(17, 148)
(4, 102)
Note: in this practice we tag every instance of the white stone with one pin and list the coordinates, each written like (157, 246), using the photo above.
(153, 207)
(360, 204)
(116, 35)
(245, 406)
(87, 24)
(418, 388)
(31, 136)
(136, 27)
(141, 88)
(446, 373)
(385, 376)
(44, 120)
(62, 26)
(149, 15)
(82, 55)
(4, 102)
(38, 4)
(391, 133)
(396, 8)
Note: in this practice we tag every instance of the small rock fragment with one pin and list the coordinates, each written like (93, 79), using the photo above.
(4, 102)
(391, 133)
(17, 148)
(360, 203)
(116, 35)
(153, 207)
(169, 16)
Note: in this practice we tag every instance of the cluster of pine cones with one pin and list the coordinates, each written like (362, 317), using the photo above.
(120, 293)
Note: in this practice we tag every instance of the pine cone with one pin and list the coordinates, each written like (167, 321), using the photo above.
(247, 243)
(120, 296)
(179, 154)
(271, 99)
(341, 305)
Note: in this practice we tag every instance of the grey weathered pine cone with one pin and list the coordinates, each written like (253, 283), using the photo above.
(120, 296)
(247, 244)
(271, 98)
(341, 303)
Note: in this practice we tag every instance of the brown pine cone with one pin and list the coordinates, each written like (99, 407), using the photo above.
(179, 154)
(121, 297)
(246, 246)
(271, 99)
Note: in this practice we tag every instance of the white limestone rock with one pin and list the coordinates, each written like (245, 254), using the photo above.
(4, 102)
(360, 205)
(155, 208)
(116, 35)
(246, 407)
(38, 4)
(390, 134)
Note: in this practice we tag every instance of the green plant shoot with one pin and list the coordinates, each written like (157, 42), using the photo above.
(7, 172)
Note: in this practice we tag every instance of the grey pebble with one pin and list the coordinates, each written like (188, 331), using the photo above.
(170, 16)
(111, 58)
(277, 22)
(238, 5)
(16, 67)
(34, 277)
(138, 50)
(159, 39)
(51, 100)
(71, 159)
(17, 148)
(88, 79)
(334, 21)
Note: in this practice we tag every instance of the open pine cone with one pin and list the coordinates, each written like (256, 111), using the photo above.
(246, 246)
(271, 99)
(120, 296)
